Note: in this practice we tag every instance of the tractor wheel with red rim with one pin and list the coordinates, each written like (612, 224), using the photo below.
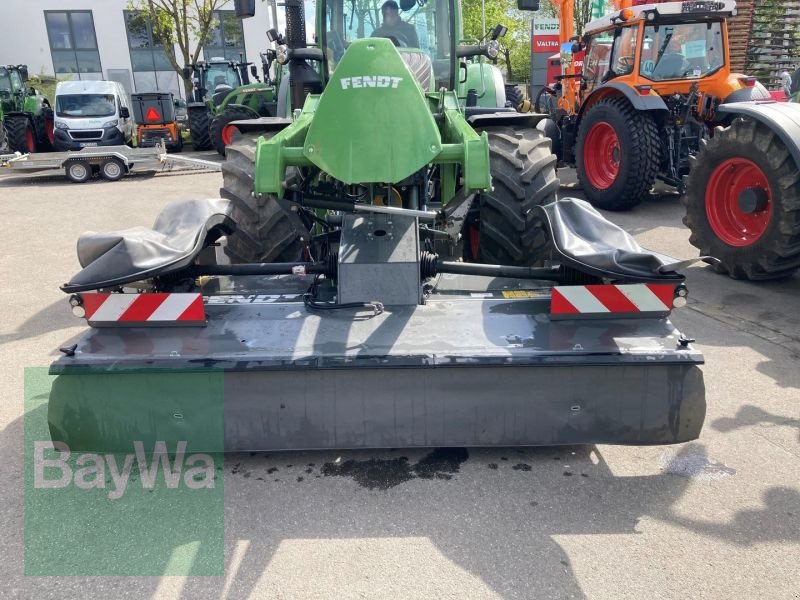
(222, 132)
(21, 136)
(743, 202)
(617, 154)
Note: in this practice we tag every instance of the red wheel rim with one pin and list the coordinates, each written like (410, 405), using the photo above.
(474, 242)
(51, 135)
(601, 155)
(731, 219)
(227, 133)
(29, 141)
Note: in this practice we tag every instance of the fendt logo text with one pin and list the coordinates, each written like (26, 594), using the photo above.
(370, 81)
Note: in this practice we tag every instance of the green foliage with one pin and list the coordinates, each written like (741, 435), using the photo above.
(584, 11)
(45, 85)
(517, 40)
(583, 14)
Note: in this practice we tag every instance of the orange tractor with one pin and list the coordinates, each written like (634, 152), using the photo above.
(656, 99)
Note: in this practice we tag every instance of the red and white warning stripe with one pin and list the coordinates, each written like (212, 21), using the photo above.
(637, 299)
(143, 309)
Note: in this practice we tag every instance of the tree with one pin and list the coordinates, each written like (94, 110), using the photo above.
(583, 14)
(517, 57)
(583, 11)
(182, 23)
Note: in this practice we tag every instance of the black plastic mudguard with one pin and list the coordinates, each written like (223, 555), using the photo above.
(782, 117)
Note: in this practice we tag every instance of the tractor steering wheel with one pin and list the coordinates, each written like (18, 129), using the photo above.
(625, 63)
(399, 40)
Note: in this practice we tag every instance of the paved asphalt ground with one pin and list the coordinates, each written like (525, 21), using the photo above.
(717, 518)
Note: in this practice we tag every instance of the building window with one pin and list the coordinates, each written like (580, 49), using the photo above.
(152, 69)
(225, 38)
(73, 44)
(147, 51)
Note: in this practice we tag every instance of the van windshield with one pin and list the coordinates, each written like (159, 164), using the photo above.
(86, 105)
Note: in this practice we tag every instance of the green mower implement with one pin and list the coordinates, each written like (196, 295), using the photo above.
(26, 118)
(399, 274)
(223, 93)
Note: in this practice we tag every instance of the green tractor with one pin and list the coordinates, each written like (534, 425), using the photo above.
(223, 93)
(391, 107)
(384, 227)
(26, 118)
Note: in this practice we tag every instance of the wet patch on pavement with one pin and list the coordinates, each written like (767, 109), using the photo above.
(693, 465)
(382, 474)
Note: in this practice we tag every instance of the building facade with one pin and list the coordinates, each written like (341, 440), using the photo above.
(103, 39)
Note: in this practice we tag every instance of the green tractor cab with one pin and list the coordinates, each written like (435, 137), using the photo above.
(26, 117)
(223, 93)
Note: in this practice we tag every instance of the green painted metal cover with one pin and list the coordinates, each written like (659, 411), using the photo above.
(372, 124)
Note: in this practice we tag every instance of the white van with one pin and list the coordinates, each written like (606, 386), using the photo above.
(92, 113)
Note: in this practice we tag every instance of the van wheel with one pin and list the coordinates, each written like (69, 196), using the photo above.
(78, 171)
(112, 169)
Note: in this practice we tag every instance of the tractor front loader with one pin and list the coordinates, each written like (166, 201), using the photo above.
(26, 117)
(410, 280)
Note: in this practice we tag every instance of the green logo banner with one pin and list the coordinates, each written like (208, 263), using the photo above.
(136, 488)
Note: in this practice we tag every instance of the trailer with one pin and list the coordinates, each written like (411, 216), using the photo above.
(109, 162)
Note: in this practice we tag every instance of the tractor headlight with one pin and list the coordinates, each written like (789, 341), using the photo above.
(60, 125)
(493, 49)
(109, 124)
(282, 54)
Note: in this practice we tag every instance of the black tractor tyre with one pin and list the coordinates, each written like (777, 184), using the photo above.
(21, 134)
(268, 229)
(514, 96)
(218, 123)
(754, 242)
(523, 170)
(78, 171)
(198, 128)
(177, 146)
(4, 146)
(635, 156)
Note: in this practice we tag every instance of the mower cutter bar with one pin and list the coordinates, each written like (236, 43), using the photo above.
(482, 367)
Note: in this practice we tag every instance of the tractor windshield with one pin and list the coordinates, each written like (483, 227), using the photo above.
(681, 51)
(86, 105)
(221, 74)
(5, 81)
(420, 25)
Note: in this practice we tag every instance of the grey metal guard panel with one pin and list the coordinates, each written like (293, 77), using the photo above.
(470, 328)
(468, 368)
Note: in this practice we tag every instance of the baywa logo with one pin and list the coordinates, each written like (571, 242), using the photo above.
(195, 471)
(370, 81)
